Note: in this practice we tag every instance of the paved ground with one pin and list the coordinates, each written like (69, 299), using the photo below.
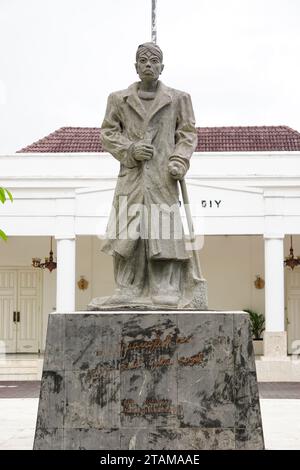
(28, 389)
(279, 390)
(17, 423)
(280, 408)
(281, 423)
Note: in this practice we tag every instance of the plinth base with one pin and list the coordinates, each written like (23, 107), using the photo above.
(140, 380)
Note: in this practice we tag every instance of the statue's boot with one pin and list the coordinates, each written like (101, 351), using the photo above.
(165, 282)
(166, 299)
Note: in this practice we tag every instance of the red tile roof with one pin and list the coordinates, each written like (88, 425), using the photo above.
(210, 139)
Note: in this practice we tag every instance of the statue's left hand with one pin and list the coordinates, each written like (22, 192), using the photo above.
(177, 170)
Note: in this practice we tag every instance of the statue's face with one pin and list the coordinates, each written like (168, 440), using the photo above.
(148, 66)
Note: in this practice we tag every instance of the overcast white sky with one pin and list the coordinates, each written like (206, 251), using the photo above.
(59, 59)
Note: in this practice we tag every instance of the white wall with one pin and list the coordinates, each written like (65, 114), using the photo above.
(103, 276)
(83, 268)
(230, 265)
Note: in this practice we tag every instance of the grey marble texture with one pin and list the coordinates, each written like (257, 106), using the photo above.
(144, 380)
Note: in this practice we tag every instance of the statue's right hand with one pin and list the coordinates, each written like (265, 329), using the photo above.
(142, 151)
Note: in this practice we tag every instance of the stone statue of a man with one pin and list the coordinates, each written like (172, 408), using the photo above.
(150, 129)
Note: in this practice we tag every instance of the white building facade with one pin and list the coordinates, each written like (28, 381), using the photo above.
(245, 207)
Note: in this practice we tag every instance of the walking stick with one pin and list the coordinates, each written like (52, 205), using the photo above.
(189, 219)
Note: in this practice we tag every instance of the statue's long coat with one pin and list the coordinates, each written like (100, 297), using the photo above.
(169, 125)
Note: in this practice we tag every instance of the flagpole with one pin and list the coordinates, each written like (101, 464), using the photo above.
(153, 22)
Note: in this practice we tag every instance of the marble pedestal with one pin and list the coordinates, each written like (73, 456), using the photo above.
(140, 380)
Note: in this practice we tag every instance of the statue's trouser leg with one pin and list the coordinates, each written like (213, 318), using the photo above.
(130, 272)
(164, 277)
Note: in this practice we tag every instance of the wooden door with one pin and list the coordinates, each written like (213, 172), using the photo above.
(20, 310)
(293, 310)
(8, 309)
(28, 313)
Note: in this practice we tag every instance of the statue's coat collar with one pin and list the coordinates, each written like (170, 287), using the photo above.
(162, 98)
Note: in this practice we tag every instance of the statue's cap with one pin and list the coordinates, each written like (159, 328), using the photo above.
(149, 47)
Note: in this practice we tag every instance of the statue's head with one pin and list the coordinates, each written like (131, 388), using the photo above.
(149, 58)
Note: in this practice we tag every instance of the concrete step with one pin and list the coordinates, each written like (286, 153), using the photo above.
(17, 364)
(19, 377)
(14, 368)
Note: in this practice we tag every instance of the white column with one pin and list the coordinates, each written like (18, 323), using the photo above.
(275, 335)
(65, 289)
(274, 284)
